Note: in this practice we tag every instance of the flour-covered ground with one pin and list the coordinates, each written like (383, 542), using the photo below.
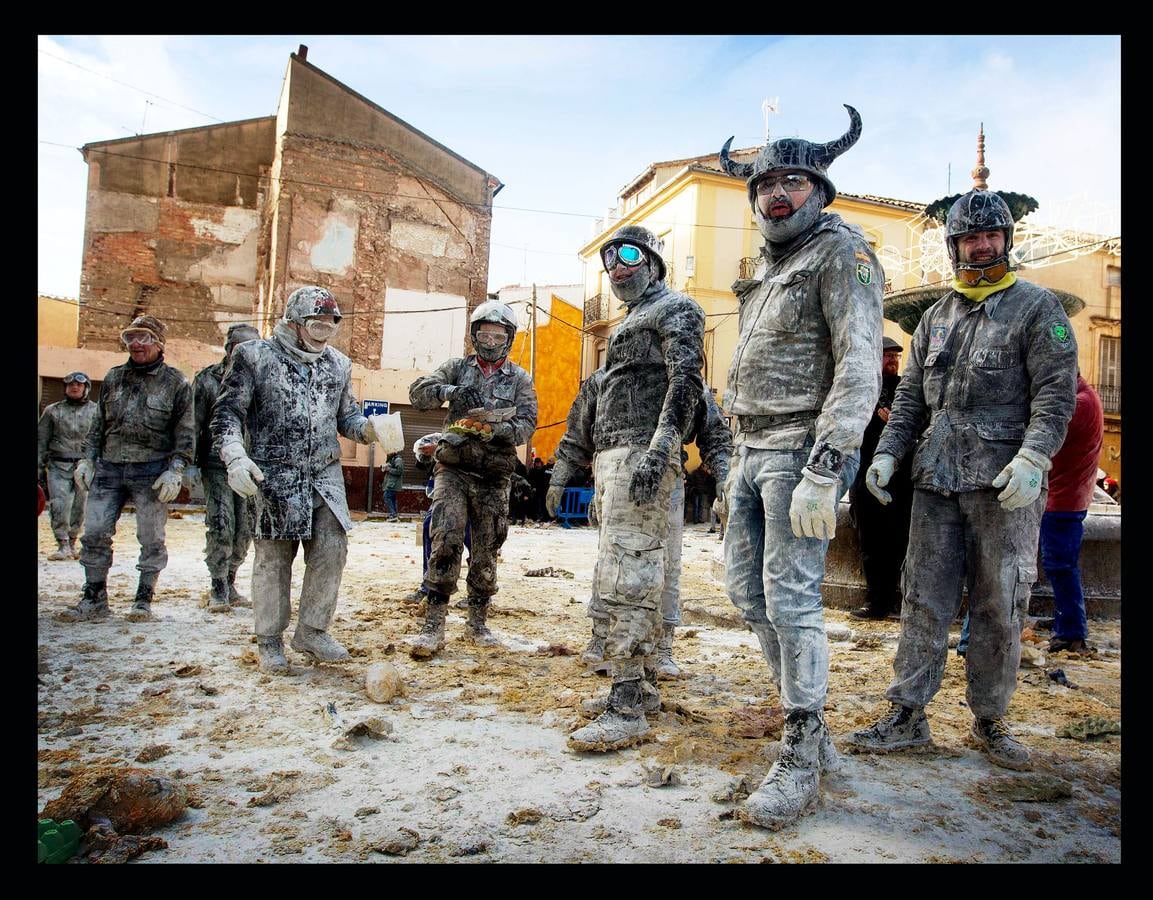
(476, 764)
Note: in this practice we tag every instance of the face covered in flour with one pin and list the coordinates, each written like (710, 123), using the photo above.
(632, 259)
(312, 314)
(788, 202)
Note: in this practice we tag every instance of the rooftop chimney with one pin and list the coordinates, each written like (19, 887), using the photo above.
(302, 52)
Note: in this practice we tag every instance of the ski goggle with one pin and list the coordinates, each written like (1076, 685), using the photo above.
(76, 377)
(626, 254)
(973, 275)
(137, 336)
(486, 339)
(320, 331)
(793, 184)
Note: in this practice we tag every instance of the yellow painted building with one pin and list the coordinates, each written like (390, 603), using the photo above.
(558, 355)
(711, 240)
(57, 321)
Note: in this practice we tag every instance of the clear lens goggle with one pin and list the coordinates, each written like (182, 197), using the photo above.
(320, 331)
(72, 379)
(136, 336)
(973, 275)
(793, 184)
(626, 254)
(491, 340)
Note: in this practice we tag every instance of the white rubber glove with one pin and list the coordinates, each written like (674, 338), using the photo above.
(369, 432)
(243, 474)
(884, 464)
(1023, 476)
(553, 498)
(167, 486)
(813, 510)
(192, 476)
(82, 474)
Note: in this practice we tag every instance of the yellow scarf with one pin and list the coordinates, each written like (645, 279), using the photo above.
(979, 293)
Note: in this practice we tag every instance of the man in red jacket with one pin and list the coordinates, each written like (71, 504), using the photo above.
(1071, 482)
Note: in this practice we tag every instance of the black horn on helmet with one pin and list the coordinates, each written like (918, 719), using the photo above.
(794, 154)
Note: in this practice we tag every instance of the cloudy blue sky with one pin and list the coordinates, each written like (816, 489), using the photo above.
(565, 122)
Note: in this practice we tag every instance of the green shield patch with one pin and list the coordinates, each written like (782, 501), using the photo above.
(864, 273)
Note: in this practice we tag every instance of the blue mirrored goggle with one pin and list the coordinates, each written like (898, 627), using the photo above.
(76, 376)
(626, 254)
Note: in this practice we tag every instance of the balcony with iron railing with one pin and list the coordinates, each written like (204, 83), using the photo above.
(596, 309)
(1110, 395)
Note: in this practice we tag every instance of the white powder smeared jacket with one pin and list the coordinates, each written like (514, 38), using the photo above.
(292, 412)
(810, 339)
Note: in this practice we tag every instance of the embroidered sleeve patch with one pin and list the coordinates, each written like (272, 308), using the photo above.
(864, 273)
(862, 256)
(1060, 333)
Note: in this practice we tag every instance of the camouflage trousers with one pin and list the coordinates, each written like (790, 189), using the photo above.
(457, 500)
(65, 500)
(324, 556)
(961, 540)
(114, 485)
(671, 593)
(630, 568)
(228, 525)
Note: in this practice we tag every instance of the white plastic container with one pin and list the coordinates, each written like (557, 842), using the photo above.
(389, 433)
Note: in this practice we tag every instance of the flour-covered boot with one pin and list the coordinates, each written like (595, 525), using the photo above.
(994, 737)
(318, 645)
(272, 658)
(62, 551)
(621, 725)
(430, 641)
(92, 607)
(666, 667)
(235, 598)
(793, 784)
(218, 602)
(477, 628)
(594, 655)
(141, 606)
(903, 727)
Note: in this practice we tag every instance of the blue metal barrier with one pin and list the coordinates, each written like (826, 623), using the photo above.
(574, 504)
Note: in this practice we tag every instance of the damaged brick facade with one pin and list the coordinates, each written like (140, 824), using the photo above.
(210, 226)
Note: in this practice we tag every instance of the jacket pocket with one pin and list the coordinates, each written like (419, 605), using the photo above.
(158, 412)
(786, 300)
(1000, 431)
(995, 358)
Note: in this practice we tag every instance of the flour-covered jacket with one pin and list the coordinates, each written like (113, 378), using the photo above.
(509, 387)
(809, 348)
(577, 446)
(982, 381)
(205, 388)
(144, 414)
(292, 412)
(62, 430)
(652, 381)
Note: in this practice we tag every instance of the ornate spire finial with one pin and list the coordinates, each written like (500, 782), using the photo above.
(981, 173)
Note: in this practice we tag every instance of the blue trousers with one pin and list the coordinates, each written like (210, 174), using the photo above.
(1061, 534)
(390, 502)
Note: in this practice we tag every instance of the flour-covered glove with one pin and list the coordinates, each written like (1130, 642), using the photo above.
(466, 398)
(813, 510)
(243, 474)
(369, 432)
(647, 477)
(1023, 478)
(878, 475)
(553, 498)
(192, 477)
(82, 474)
(168, 485)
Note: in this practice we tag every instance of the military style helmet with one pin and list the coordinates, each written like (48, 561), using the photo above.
(151, 324)
(643, 238)
(978, 211)
(238, 334)
(308, 301)
(794, 153)
(82, 378)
